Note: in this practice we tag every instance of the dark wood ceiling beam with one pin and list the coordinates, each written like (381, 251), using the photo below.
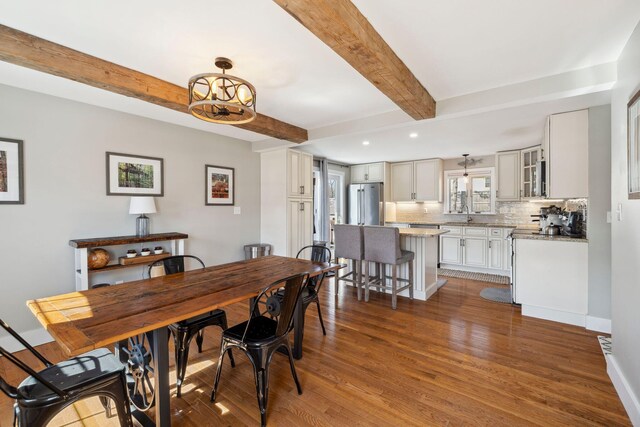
(341, 26)
(32, 52)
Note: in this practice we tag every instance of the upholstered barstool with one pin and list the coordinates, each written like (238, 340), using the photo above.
(348, 241)
(382, 245)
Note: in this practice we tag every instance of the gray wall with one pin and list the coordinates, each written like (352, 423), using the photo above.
(599, 230)
(625, 233)
(64, 146)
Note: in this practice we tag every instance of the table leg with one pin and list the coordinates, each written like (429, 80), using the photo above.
(298, 330)
(161, 374)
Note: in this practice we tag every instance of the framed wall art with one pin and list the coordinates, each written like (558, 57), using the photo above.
(633, 146)
(130, 175)
(11, 172)
(219, 186)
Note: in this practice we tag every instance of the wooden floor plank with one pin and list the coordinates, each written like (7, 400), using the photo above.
(456, 359)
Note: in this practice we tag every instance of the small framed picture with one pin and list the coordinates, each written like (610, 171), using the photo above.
(130, 175)
(11, 172)
(633, 146)
(219, 186)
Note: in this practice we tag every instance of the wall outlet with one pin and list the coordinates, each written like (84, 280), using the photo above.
(237, 210)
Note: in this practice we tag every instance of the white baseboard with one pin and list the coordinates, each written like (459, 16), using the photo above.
(555, 315)
(629, 400)
(598, 324)
(34, 337)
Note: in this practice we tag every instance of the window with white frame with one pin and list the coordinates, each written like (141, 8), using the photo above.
(474, 191)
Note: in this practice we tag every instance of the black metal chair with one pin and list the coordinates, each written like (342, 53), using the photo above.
(261, 336)
(184, 331)
(310, 293)
(42, 395)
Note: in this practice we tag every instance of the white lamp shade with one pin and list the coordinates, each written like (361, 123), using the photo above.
(142, 205)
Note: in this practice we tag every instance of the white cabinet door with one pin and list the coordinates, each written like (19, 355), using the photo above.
(374, 172)
(306, 175)
(475, 251)
(508, 179)
(357, 174)
(402, 182)
(496, 253)
(450, 250)
(427, 186)
(568, 159)
(507, 244)
(306, 225)
(293, 171)
(528, 172)
(293, 226)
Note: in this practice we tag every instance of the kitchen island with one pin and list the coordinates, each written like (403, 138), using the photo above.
(424, 243)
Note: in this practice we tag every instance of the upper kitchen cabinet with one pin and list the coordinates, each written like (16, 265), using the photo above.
(300, 174)
(419, 181)
(566, 149)
(370, 172)
(508, 179)
(530, 182)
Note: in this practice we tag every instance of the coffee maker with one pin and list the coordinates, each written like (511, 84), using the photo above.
(572, 223)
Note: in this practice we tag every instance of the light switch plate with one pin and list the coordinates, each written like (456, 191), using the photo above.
(237, 210)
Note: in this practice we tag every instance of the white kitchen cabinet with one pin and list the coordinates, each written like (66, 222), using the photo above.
(451, 249)
(506, 248)
(508, 176)
(551, 280)
(419, 181)
(529, 172)
(286, 215)
(370, 172)
(300, 174)
(474, 250)
(496, 253)
(568, 155)
(300, 225)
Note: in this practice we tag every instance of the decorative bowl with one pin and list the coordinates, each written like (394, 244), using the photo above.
(97, 258)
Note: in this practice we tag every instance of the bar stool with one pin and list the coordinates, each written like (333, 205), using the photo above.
(349, 245)
(382, 245)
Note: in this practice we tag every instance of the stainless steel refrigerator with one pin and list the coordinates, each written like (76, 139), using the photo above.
(366, 204)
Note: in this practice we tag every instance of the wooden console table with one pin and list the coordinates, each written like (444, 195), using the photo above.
(82, 247)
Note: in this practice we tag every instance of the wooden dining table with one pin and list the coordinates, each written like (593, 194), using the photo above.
(86, 320)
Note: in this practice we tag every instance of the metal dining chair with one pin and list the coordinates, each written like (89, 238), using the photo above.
(185, 330)
(382, 245)
(44, 394)
(312, 288)
(263, 334)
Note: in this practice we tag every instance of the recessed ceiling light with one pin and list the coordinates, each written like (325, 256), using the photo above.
(413, 135)
(365, 142)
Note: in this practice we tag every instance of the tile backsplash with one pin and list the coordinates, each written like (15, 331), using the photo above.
(517, 213)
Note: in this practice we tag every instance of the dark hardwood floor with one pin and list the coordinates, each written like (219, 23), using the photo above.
(453, 360)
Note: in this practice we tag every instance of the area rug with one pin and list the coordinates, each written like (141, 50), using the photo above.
(484, 277)
(497, 294)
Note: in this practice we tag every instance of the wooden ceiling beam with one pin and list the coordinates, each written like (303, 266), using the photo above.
(32, 52)
(341, 26)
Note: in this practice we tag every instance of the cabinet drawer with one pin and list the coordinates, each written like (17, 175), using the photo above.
(452, 230)
(475, 231)
(495, 232)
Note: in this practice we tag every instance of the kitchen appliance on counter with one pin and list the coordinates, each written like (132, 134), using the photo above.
(366, 204)
(550, 219)
(572, 224)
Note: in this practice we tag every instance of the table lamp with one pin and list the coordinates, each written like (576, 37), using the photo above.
(142, 206)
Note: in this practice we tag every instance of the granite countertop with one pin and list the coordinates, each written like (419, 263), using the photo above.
(528, 233)
(421, 232)
(458, 223)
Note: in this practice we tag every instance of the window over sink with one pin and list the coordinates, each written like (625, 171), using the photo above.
(474, 191)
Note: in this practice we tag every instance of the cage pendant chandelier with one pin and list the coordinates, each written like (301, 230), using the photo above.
(222, 98)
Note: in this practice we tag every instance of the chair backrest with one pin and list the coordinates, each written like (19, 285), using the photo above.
(348, 241)
(381, 244)
(318, 253)
(293, 287)
(171, 265)
(12, 391)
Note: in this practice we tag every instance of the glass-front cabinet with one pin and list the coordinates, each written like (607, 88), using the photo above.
(473, 191)
(529, 185)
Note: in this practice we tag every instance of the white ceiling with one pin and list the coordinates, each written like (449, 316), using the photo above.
(453, 47)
